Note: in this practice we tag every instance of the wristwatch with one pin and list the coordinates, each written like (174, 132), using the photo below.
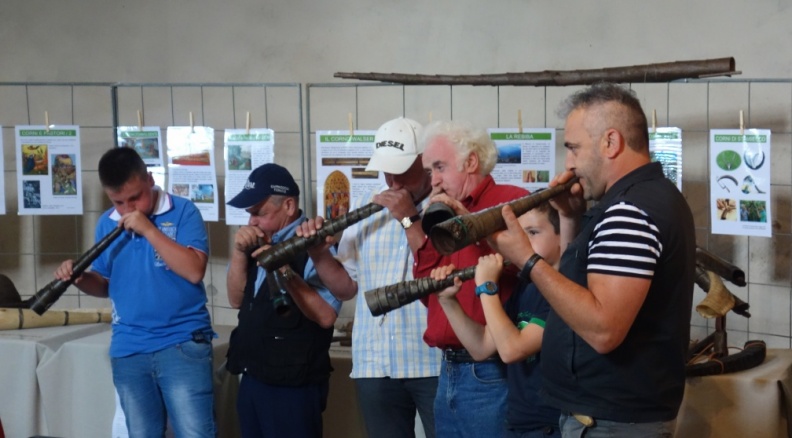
(407, 222)
(488, 287)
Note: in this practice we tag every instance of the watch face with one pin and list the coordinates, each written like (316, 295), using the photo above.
(406, 222)
(489, 288)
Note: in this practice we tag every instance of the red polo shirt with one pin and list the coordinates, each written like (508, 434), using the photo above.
(439, 332)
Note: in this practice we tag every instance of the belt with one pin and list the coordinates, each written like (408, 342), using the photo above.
(460, 355)
(585, 420)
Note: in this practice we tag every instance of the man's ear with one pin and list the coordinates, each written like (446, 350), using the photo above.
(612, 143)
(471, 164)
(291, 205)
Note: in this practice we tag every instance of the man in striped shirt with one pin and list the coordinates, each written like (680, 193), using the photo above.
(615, 341)
(395, 373)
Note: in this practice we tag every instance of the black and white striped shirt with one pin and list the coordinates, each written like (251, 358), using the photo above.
(625, 243)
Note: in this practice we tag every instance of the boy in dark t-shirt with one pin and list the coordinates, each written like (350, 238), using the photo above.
(514, 332)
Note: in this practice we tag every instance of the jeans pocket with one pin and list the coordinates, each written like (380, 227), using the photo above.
(489, 372)
(196, 351)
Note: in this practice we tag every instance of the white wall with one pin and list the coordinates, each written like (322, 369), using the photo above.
(306, 41)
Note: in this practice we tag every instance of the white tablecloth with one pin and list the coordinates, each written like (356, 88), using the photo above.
(57, 381)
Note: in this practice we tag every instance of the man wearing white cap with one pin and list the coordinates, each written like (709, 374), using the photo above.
(395, 373)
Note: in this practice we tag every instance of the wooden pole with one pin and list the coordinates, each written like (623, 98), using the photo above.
(12, 319)
(662, 72)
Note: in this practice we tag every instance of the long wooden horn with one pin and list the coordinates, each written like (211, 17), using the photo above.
(458, 232)
(284, 252)
(47, 296)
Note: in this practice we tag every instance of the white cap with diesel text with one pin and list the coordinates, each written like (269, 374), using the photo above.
(396, 146)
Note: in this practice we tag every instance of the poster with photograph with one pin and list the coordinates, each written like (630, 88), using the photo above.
(341, 175)
(48, 170)
(191, 167)
(525, 159)
(2, 177)
(665, 147)
(740, 182)
(147, 141)
(244, 151)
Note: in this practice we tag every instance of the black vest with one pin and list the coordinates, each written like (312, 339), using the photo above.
(288, 350)
(643, 379)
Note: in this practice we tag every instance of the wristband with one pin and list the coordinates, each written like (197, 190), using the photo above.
(525, 273)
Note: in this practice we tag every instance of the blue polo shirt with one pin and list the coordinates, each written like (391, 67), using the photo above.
(153, 307)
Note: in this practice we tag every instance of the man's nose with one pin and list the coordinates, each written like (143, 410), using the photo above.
(569, 162)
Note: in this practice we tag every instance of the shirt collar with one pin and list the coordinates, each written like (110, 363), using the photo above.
(483, 186)
(164, 205)
(288, 230)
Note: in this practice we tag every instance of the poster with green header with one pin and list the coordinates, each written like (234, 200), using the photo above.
(665, 147)
(740, 182)
(191, 170)
(49, 175)
(244, 150)
(341, 175)
(2, 180)
(147, 142)
(526, 158)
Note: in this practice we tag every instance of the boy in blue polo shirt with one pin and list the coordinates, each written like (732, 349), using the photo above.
(161, 352)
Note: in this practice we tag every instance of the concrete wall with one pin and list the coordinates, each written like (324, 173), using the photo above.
(302, 41)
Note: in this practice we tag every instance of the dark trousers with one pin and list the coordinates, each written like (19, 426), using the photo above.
(280, 411)
(389, 405)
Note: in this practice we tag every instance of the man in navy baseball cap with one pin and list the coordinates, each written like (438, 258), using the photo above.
(266, 180)
(277, 400)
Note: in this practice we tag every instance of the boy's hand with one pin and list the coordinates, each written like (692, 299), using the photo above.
(489, 268)
(440, 274)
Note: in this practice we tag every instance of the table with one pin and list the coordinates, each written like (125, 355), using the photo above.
(63, 377)
(21, 352)
(752, 403)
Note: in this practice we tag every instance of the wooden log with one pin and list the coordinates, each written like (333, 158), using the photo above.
(646, 73)
(13, 319)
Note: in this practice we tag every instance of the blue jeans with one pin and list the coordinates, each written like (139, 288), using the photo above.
(175, 382)
(388, 405)
(471, 400)
(570, 427)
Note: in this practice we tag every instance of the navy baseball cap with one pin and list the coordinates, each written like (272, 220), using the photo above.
(266, 180)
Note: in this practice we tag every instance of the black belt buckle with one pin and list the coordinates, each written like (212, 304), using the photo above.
(200, 337)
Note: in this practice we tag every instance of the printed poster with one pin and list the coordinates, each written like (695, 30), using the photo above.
(665, 147)
(244, 151)
(740, 182)
(147, 141)
(191, 167)
(341, 174)
(525, 159)
(2, 180)
(48, 170)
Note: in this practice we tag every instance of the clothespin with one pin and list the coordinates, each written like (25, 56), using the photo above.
(351, 125)
(519, 121)
(742, 123)
(247, 123)
(654, 121)
(140, 120)
(192, 125)
(430, 117)
(46, 120)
